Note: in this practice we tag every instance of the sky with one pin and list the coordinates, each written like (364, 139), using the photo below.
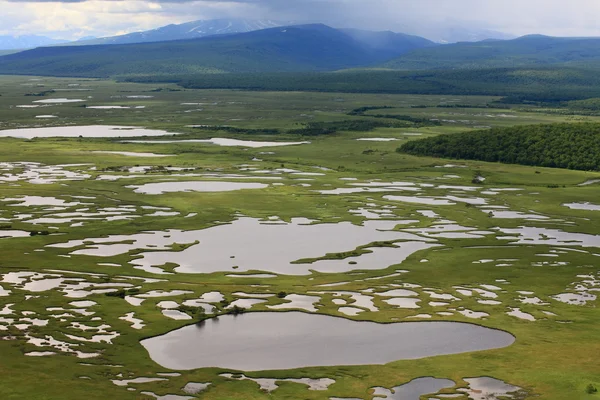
(73, 19)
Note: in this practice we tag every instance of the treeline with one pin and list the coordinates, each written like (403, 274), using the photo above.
(326, 128)
(312, 128)
(233, 129)
(418, 121)
(572, 146)
(363, 110)
(588, 107)
(533, 85)
(592, 105)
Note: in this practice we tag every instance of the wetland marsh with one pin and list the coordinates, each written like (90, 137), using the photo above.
(221, 260)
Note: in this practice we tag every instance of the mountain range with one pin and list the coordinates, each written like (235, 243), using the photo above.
(202, 28)
(531, 50)
(196, 29)
(188, 30)
(297, 48)
(284, 49)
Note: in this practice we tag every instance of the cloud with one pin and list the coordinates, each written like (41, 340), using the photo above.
(73, 18)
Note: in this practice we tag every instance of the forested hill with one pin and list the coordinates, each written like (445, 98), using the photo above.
(534, 50)
(518, 85)
(572, 146)
(283, 49)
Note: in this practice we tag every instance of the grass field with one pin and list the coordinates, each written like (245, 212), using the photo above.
(484, 262)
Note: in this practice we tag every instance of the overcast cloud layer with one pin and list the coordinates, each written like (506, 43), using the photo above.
(71, 19)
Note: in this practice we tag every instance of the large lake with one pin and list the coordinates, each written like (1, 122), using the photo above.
(274, 341)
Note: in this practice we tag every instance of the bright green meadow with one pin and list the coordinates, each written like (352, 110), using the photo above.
(516, 248)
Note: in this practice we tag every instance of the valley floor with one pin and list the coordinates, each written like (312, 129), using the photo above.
(107, 244)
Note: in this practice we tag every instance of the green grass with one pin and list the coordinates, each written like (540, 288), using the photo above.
(549, 359)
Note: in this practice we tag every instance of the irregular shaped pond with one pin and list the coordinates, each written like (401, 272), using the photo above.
(58, 101)
(583, 206)
(258, 246)
(376, 139)
(132, 154)
(84, 131)
(414, 389)
(107, 107)
(272, 341)
(13, 234)
(254, 245)
(486, 388)
(225, 142)
(543, 236)
(195, 186)
(430, 201)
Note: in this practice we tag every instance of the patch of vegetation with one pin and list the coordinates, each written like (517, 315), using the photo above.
(245, 131)
(235, 310)
(572, 146)
(224, 303)
(333, 256)
(122, 293)
(327, 128)
(39, 233)
(418, 121)
(363, 110)
(158, 90)
(193, 311)
(582, 107)
(41, 94)
(346, 254)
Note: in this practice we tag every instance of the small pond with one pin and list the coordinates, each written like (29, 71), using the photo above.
(414, 389)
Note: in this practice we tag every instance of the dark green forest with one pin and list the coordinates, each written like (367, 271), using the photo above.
(572, 146)
(537, 85)
(320, 128)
